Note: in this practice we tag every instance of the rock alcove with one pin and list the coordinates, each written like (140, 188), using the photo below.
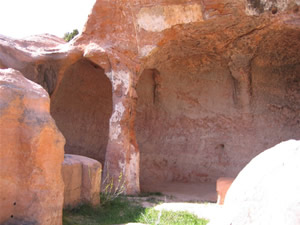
(82, 107)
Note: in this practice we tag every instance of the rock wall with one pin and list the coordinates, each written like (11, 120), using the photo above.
(81, 107)
(199, 123)
(198, 87)
(31, 154)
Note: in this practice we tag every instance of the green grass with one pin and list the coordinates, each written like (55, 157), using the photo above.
(115, 212)
(120, 211)
(153, 217)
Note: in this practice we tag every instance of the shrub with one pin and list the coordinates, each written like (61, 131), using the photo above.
(69, 36)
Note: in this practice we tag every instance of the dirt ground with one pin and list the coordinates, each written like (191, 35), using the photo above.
(185, 192)
(197, 198)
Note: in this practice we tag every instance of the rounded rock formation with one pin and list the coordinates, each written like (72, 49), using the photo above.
(31, 154)
(267, 190)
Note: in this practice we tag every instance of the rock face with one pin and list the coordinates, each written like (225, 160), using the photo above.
(37, 57)
(266, 191)
(213, 84)
(198, 89)
(82, 179)
(81, 107)
(31, 154)
(223, 184)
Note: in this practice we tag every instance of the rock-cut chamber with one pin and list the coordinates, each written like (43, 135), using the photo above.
(193, 124)
(81, 107)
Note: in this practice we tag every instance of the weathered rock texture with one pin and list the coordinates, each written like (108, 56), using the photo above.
(81, 94)
(266, 191)
(198, 87)
(82, 178)
(31, 154)
(222, 186)
(81, 107)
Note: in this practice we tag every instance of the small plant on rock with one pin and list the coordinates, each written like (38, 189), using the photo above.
(112, 189)
(69, 36)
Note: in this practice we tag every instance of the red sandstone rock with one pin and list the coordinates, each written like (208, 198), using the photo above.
(31, 154)
(223, 184)
(266, 191)
(81, 107)
(40, 58)
(82, 178)
(214, 87)
(198, 89)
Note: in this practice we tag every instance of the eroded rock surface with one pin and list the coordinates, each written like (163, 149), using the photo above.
(81, 107)
(82, 179)
(78, 87)
(37, 57)
(198, 88)
(266, 191)
(222, 186)
(31, 154)
(211, 89)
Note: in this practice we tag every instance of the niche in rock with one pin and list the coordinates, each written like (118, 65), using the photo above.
(183, 125)
(81, 107)
(197, 121)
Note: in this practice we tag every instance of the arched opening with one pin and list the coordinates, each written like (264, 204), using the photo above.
(82, 107)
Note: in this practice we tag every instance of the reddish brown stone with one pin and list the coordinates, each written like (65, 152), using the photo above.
(223, 184)
(82, 178)
(81, 107)
(198, 88)
(31, 154)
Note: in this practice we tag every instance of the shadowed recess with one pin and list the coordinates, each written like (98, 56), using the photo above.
(82, 107)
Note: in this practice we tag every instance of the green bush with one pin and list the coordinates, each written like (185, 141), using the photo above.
(69, 36)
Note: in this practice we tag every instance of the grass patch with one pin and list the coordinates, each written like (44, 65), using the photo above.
(117, 211)
(164, 217)
(121, 210)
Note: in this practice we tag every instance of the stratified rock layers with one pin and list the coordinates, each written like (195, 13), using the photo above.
(31, 154)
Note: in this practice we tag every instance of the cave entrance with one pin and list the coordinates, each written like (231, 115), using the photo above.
(82, 107)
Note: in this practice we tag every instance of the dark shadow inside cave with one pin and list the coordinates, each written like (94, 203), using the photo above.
(82, 107)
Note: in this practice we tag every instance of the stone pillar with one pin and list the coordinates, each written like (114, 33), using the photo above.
(122, 156)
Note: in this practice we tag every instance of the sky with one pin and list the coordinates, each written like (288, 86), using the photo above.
(22, 18)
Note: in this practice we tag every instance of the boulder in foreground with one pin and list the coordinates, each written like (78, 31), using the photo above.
(267, 190)
(31, 154)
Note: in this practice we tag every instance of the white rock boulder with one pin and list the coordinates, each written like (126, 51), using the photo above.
(267, 190)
